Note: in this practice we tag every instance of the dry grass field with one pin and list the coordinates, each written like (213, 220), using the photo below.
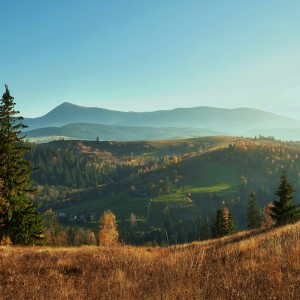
(247, 265)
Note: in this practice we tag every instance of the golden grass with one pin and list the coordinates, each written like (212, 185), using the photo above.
(247, 265)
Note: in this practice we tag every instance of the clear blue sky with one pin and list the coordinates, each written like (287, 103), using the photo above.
(148, 55)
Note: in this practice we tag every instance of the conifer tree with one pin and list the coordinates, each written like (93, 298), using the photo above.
(224, 223)
(23, 224)
(284, 211)
(3, 209)
(205, 230)
(231, 227)
(108, 233)
(254, 217)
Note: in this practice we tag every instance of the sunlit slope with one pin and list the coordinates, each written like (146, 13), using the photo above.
(248, 265)
(120, 150)
(202, 186)
(184, 179)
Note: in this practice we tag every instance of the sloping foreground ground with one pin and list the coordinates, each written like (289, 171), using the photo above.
(248, 265)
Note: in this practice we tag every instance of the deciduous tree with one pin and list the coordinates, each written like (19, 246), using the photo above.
(108, 233)
(52, 228)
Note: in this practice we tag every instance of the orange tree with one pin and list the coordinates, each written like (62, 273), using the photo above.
(108, 233)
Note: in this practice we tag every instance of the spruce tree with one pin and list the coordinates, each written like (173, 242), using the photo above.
(254, 217)
(231, 227)
(205, 230)
(3, 209)
(218, 226)
(23, 225)
(284, 211)
(224, 223)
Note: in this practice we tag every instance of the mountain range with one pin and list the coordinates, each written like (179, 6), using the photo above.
(73, 121)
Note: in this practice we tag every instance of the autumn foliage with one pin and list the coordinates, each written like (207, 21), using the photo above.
(108, 233)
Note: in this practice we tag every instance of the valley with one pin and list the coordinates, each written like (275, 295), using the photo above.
(172, 185)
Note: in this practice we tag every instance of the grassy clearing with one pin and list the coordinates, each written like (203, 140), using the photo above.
(211, 189)
(247, 265)
(175, 197)
(209, 175)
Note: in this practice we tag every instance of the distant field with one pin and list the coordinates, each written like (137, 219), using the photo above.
(208, 176)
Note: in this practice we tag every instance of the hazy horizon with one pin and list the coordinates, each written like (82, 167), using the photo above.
(147, 56)
(182, 107)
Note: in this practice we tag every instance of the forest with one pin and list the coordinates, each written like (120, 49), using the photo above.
(162, 193)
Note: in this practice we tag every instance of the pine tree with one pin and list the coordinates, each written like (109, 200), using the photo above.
(108, 233)
(254, 217)
(284, 211)
(205, 230)
(231, 227)
(23, 224)
(224, 223)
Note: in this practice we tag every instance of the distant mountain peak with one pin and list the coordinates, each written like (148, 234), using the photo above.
(66, 104)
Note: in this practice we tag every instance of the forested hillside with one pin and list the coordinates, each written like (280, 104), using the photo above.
(163, 191)
(92, 132)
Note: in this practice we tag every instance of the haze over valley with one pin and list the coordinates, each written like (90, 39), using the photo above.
(73, 121)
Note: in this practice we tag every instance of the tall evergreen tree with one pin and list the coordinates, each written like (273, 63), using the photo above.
(231, 224)
(3, 209)
(23, 224)
(284, 211)
(254, 216)
(205, 230)
(224, 223)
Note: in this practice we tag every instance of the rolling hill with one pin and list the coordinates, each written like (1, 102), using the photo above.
(86, 131)
(240, 121)
(154, 180)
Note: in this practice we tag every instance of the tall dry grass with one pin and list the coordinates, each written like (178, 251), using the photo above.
(247, 265)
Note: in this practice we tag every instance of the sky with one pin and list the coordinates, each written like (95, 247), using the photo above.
(150, 55)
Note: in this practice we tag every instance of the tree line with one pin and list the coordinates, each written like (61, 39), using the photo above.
(172, 231)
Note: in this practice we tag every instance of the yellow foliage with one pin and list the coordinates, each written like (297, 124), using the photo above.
(108, 233)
